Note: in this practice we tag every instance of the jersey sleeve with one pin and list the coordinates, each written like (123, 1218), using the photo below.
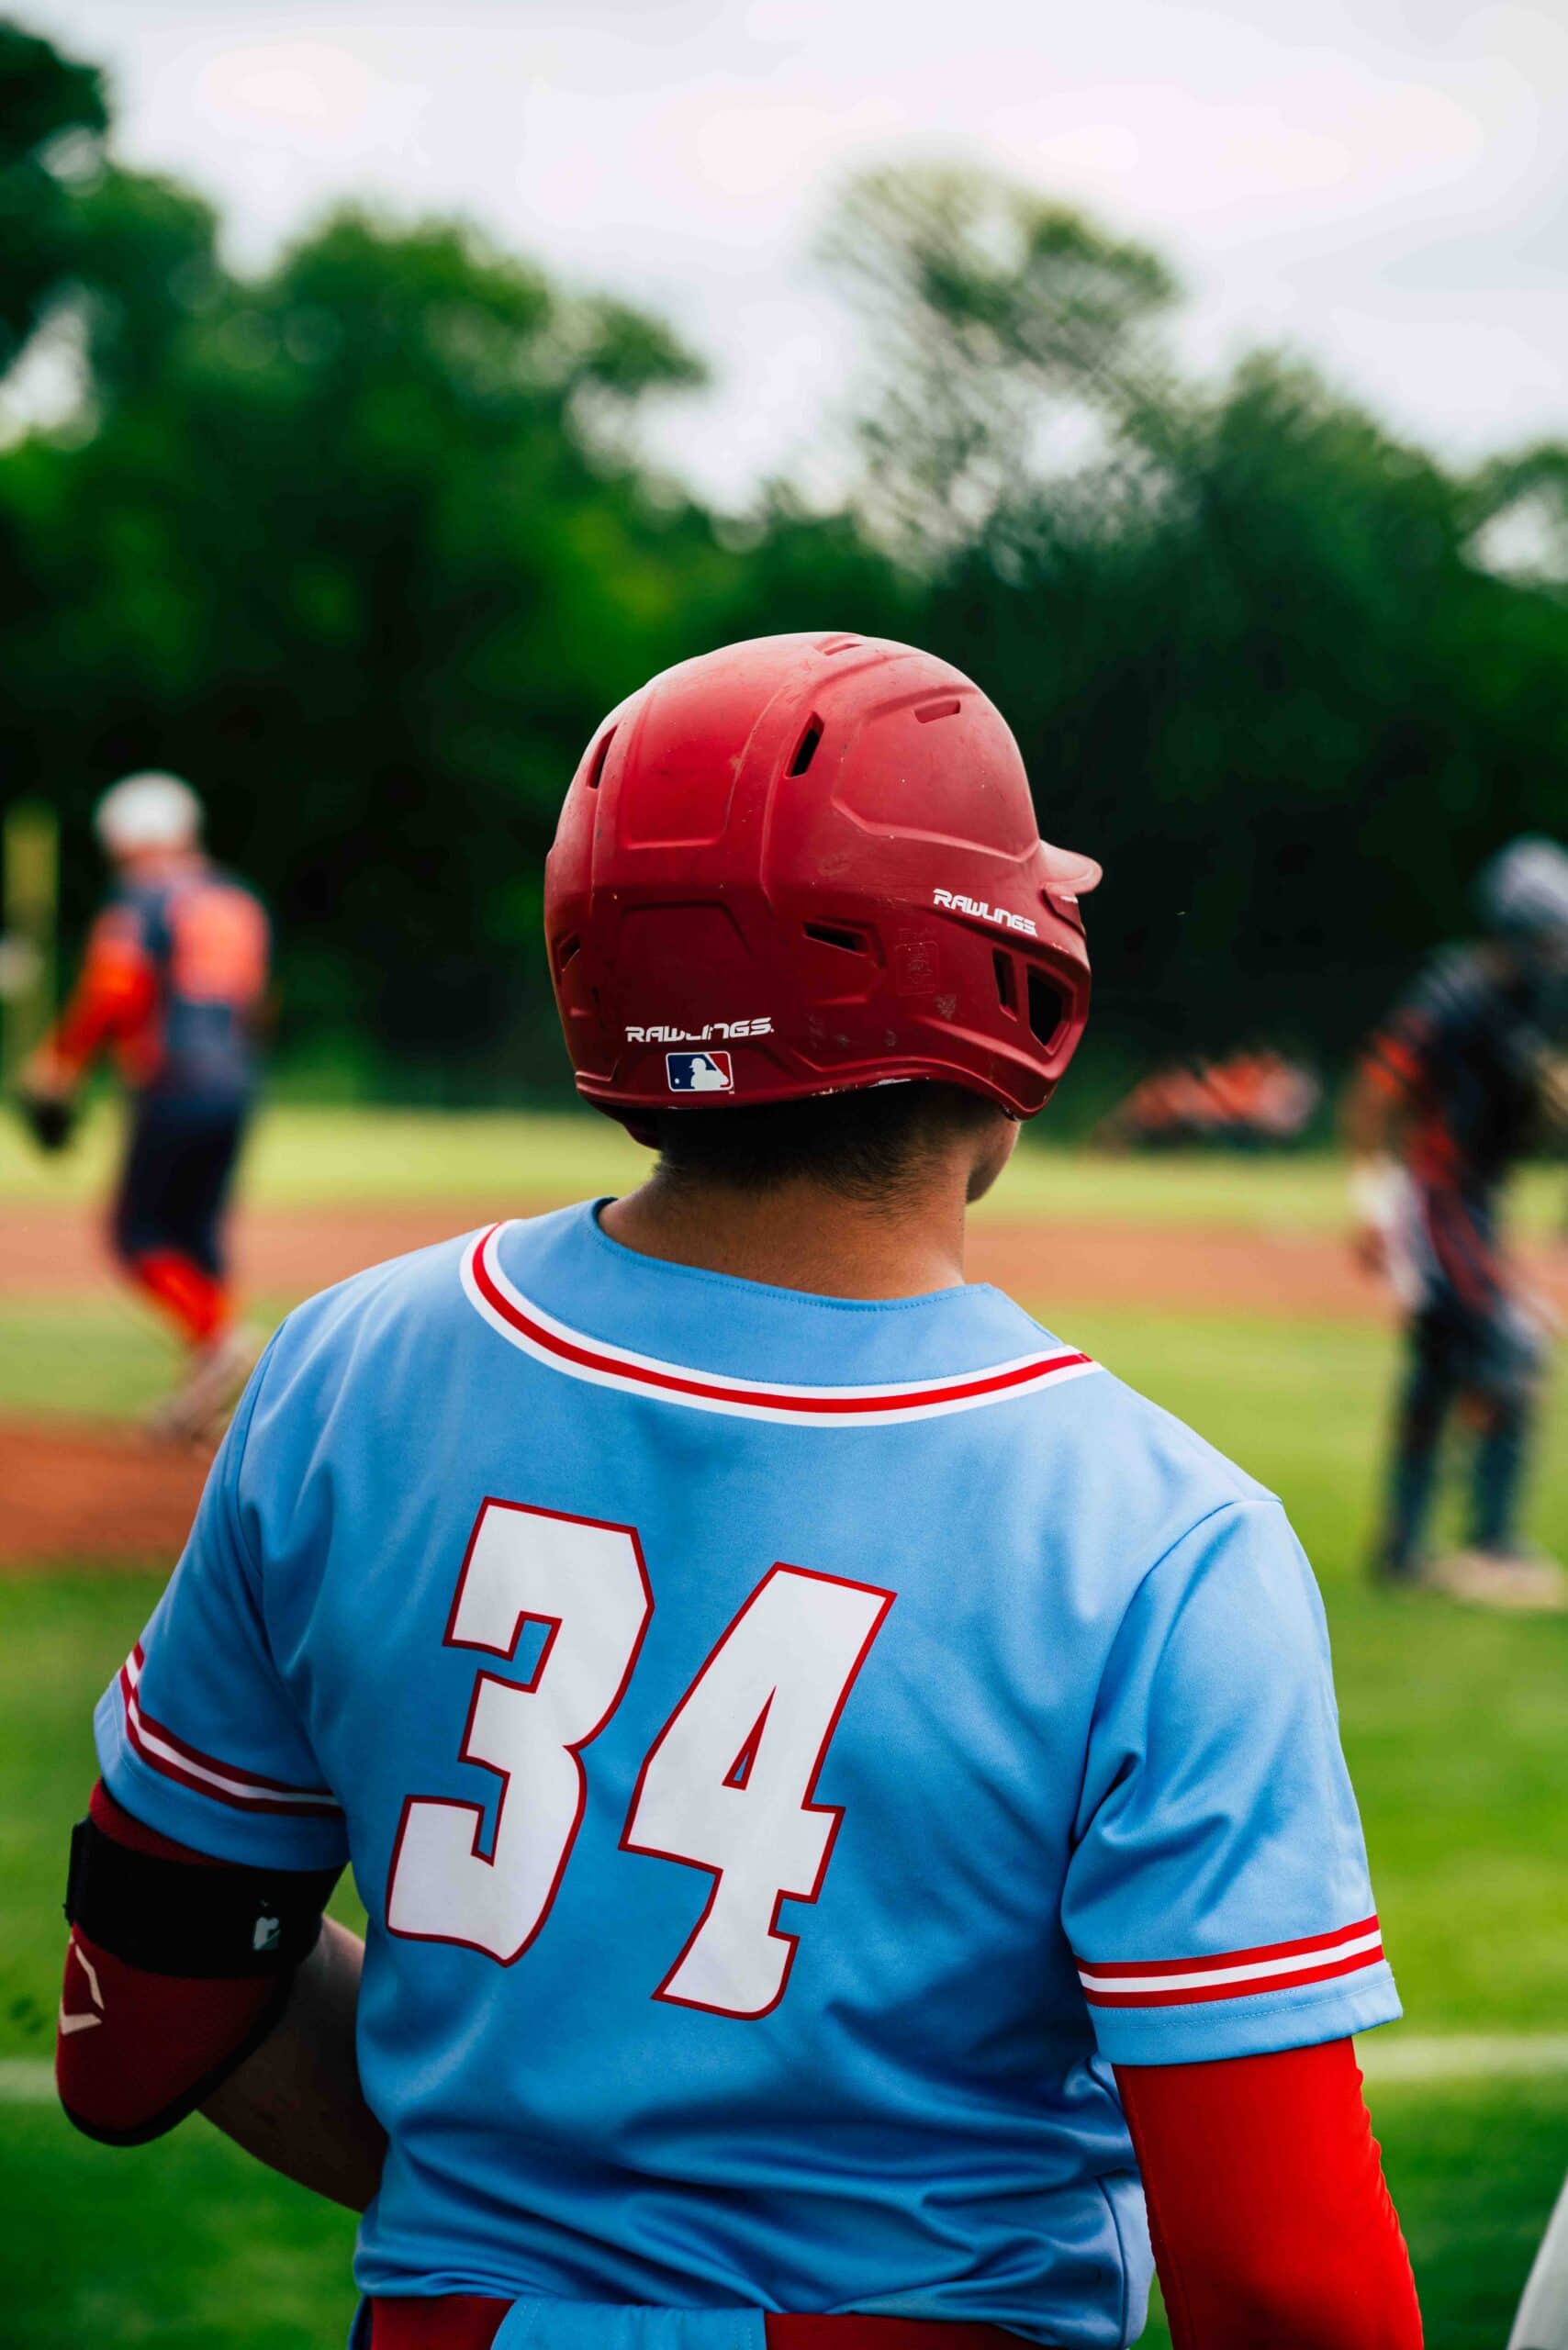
(114, 992)
(1217, 1901)
(199, 1735)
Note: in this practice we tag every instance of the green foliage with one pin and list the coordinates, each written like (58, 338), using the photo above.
(366, 546)
(339, 545)
(989, 310)
(1256, 670)
(51, 117)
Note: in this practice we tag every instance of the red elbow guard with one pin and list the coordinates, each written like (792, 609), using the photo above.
(138, 2052)
(177, 1966)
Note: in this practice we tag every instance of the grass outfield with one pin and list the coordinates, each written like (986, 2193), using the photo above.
(387, 1158)
(1455, 1725)
(189, 2246)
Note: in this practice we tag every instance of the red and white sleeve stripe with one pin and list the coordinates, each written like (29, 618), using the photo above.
(177, 1759)
(1232, 1974)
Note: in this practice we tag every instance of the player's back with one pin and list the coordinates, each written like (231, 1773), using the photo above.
(1468, 1041)
(205, 939)
(739, 1704)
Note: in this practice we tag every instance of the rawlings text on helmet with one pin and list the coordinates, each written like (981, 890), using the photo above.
(959, 904)
(727, 1028)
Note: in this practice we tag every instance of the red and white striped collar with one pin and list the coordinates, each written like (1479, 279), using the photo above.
(527, 1325)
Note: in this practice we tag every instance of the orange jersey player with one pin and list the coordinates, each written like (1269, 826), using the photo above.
(174, 984)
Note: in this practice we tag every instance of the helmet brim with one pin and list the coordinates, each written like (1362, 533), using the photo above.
(1069, 875)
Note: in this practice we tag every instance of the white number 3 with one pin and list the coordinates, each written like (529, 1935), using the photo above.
(727, 1786)
(587, 1585)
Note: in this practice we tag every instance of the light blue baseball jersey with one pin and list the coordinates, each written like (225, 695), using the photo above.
(788, 1750)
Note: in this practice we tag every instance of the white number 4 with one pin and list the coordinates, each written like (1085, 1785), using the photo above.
(727, 1786)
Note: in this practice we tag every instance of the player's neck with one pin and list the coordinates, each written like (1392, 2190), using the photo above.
(801, 1236)
(146, 867)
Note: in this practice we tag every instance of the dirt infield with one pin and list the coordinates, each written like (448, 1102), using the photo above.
(288, 1252)
(95, 1493)
(104, 1493)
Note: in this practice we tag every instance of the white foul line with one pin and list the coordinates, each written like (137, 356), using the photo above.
(26, 2080)
(1391, 2058)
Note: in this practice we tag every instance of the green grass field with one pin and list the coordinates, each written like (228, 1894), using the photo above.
(307, 1157)
(1455, 1725)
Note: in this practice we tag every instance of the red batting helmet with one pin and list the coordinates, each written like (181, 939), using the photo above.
(807, 863)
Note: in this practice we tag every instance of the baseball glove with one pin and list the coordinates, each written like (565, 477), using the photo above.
(50, 1118)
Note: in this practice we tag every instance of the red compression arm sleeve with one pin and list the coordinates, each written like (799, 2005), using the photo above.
(136, 2051)
(1271, 2221)
(115, 994)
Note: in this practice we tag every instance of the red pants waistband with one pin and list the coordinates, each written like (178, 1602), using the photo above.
(467, 2322)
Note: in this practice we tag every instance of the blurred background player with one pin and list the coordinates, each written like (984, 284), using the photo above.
(175, 981)
(1451, 1092)
(1256, 1100)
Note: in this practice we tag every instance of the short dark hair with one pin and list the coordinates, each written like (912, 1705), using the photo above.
(866, 1144)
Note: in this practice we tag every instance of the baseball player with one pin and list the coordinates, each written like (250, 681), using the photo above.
(1453, 1090)
(175, 982)
(847, 1794)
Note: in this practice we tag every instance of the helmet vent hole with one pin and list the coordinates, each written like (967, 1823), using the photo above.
(599, 757)
(568, 952)
(806, 748)
(1006, 989)
(827, 934)
(1047, 1007)
(839, 645)
(931, 709)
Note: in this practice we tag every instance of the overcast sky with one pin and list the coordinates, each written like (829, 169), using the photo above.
(1381, 183)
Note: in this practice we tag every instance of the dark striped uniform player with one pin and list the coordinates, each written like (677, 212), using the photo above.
(1455, 1087)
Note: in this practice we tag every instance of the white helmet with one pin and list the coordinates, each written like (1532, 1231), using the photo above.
(148, 812)
(1524, 891)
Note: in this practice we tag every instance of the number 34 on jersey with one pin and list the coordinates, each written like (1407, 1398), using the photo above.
(726, 1786)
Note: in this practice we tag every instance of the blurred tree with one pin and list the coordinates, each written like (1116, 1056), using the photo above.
(993, 313)
(1255, 668)
(1519, 513)
(343, 545)
(52, 116)
(146, 265)
(365, 545)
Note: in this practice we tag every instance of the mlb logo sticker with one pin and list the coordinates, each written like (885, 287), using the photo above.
(699, 1073)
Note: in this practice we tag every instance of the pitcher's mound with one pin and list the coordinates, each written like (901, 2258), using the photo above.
(96, 1492)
